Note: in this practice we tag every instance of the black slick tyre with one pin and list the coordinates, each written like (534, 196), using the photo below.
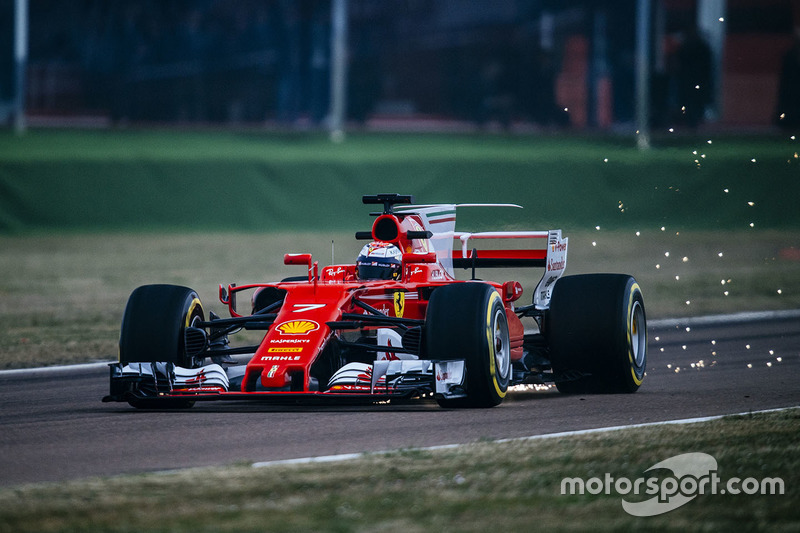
(597, 334)
(154, 323)
(468, 321)
(153, 327)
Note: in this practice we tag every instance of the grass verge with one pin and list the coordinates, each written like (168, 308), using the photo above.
(170, 180)
(513, 486)
(62, 296)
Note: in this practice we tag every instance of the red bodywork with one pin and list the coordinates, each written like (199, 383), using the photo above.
(300, 330)
(329, 333)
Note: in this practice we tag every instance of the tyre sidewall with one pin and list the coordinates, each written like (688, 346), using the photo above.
(633, 367)
(497, 378)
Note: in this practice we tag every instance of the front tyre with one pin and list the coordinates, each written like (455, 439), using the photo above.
(468, 321)
(154, 325)
(153, 330)
(597, 333)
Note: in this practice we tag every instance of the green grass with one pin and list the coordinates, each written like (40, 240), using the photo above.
(86, 216)
(177, 145)
(513, 486)
(144, 180)
(62, 296)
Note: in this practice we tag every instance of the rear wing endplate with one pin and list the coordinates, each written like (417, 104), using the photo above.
(556, 263)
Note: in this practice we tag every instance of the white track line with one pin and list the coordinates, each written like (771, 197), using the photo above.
(56, 369)
(66, 368)
(351, 456)
(716, 320)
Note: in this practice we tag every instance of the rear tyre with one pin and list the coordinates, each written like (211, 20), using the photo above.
(153, 328)
(597, 334)
(468, 321)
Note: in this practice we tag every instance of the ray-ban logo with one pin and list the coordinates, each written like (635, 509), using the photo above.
(692, 474)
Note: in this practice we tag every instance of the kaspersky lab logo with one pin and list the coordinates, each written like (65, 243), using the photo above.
(693, 474)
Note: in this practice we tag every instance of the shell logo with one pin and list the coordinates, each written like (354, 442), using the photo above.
(297, 327)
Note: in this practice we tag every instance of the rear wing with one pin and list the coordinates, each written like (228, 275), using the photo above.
(542, 249)
(552, 257)
(467, 257)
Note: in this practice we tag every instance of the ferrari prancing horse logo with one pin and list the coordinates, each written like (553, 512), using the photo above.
(399, 304)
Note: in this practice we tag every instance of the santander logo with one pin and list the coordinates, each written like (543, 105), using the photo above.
(556, 265)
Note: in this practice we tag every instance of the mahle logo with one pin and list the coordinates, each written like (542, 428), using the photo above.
(692, 474)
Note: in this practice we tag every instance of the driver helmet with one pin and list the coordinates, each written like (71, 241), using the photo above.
(379, 260)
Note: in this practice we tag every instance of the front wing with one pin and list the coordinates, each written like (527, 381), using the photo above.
(360, 382)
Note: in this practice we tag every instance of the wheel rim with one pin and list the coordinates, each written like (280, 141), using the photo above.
(194, 316)
(502, 347)
(638, 331)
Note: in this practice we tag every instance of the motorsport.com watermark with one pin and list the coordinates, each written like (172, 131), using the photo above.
(693, 474)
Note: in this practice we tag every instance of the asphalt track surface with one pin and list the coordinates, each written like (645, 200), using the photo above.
(53, 426)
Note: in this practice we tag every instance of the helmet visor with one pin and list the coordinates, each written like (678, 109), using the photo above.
(377, 271)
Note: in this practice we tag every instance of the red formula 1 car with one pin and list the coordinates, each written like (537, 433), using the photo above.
(397, 324)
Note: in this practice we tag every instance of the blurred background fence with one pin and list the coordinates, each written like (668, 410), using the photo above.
(446, 63)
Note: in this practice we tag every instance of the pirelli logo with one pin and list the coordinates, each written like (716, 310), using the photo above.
(284, 349)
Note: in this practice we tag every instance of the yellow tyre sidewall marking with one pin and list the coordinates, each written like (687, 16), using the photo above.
(490, 339)
(194, 304)
(629, 319)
